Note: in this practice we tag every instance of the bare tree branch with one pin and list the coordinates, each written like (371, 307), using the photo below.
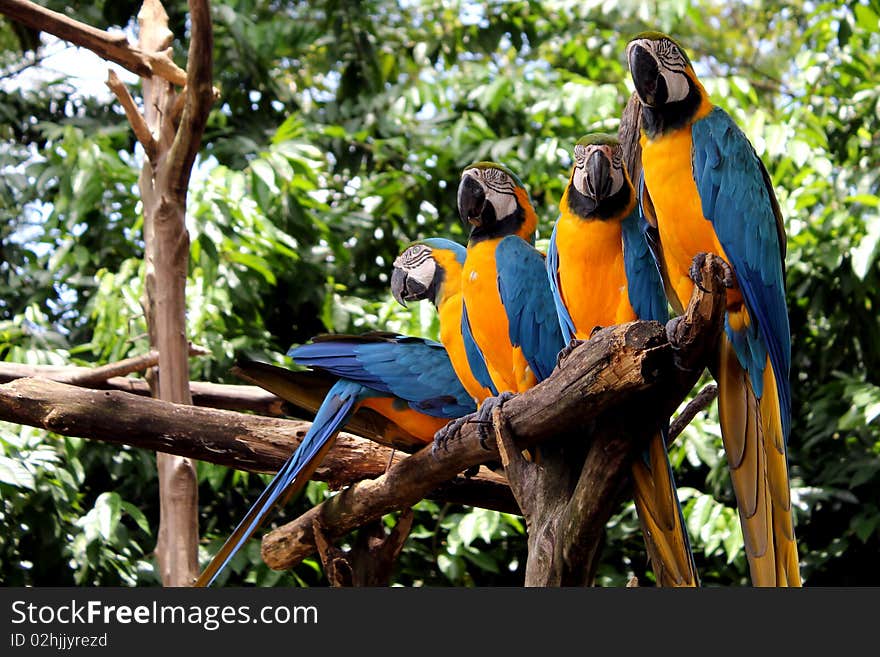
(243, 441)
(112, 47)
(370, 561)
(199, 96)
(703, 398)
(163, 186)
(97, 375)
(133, 114)
(214, 395)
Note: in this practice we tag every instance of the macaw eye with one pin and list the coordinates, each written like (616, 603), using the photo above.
(580, 156)
(413, 257)
(670, 55)
(617, 158)
(497, 180)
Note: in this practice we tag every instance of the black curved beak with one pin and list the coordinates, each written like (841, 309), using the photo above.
(404, 288)
(599, 174)
(471, 201)
(398, 285)
(649, 84)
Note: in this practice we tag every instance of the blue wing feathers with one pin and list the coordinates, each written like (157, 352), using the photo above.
(644, 284)
(528, 300)
(413, 369)
(737, 199)
(566, 323)
(475, 358)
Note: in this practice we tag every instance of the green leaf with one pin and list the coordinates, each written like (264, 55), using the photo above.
(865, 253)
(467, 528)
(108, 508)
(482, 560)
(264, 171)
(733, 543)
(452, 567)
(15, 474)
(138, 516)
(251, 261)
(866, 18)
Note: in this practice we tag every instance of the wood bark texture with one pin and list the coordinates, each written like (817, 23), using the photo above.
(240, 440)
(163, 185)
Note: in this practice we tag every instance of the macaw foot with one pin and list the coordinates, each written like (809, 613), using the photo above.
(699, 260)
(567, 349)
(484, 416)
(450, 431)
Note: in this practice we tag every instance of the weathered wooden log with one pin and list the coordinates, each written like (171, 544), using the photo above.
(239, 440)
(213, 395)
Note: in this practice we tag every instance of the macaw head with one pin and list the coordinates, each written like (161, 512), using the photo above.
(599, 187)
(494, 203)
(428, 269)
(664, 80)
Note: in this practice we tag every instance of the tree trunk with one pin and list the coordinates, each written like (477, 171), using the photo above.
(163, 184)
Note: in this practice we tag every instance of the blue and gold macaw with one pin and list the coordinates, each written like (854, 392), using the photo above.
(408, 380)
(708, 192)
(431, 269)
(508, 309)
(602, 273)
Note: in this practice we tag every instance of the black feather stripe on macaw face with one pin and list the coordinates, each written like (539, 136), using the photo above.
(486, 196)
(415, 275)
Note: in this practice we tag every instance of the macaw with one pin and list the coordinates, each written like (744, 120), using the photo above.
(508, 309)
(707, 191)
(602, 273)
(408, 380)
(431, 269)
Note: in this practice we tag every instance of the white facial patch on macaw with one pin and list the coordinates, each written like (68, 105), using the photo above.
(672, 63)
(418, 264)
(499, 189)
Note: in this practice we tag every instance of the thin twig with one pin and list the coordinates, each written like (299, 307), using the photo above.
(21, 68)
(101, 374)
(695, 405)
(133, 114)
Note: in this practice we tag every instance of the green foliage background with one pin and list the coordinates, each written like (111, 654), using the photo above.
(341, 132)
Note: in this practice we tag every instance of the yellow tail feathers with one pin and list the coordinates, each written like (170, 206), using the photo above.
(658, 509)
(755, 446)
